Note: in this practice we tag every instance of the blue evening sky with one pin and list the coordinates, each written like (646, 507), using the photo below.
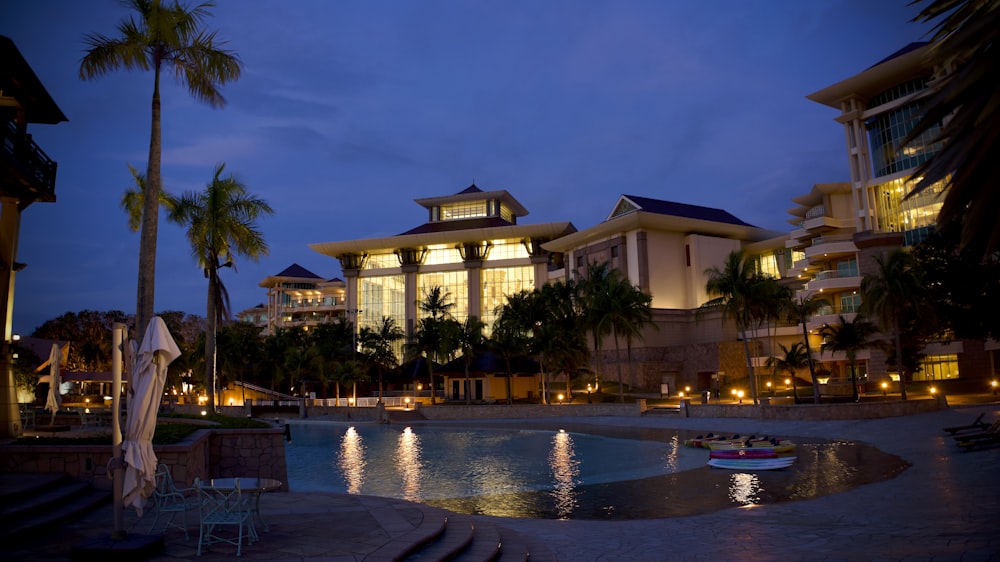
(348, 111)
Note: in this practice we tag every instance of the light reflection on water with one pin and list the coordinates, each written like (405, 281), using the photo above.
(352, 460)
(408, 464)
(565, 470)
(744, 488)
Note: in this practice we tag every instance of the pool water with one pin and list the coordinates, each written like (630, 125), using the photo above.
(574, 471)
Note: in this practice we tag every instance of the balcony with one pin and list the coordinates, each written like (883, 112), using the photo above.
(833, 280)
(28, 173)
(831, 247)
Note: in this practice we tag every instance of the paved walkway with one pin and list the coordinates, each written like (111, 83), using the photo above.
(945, 507)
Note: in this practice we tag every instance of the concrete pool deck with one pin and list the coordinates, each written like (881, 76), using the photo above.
(946, 506)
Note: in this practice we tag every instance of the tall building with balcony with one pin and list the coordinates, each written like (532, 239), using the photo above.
(27, 175)
(297, 297)
(841, 228)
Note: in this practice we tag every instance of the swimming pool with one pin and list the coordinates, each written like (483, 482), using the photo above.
(564, 471)
(433, 464)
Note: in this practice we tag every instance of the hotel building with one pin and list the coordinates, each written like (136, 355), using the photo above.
(473, 247)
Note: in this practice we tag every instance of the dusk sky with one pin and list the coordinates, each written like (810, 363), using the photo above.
(348, 111)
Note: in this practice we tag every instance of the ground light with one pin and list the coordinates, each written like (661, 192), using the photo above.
(740, 395)
(560, 397)
(885, 387)
(994, 385)
(406, 403)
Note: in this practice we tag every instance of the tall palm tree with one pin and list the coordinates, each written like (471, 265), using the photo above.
(160, 36)
(968, 161)
(800, 311)
(733, 284)
(849, 337)
(559, 331)
(221, 224)
(791, 359)
(470, 342)
(379, 345)
(891, 295)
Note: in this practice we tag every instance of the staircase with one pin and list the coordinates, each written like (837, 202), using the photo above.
(33, 503)
(445, 536)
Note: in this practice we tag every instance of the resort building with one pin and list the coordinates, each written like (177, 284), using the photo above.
(297, 297)
(842, 228)
(474, 249)
(471, 246)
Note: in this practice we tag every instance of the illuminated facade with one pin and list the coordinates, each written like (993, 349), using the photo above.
(471, 247)
(297, 297)
(841, 228)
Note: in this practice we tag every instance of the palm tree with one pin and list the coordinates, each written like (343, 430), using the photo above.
(629, 311)
(133, 200)
(594, 292)
(792, 359)
(158, 36)
(510, 338)
(559, 333)
(221, 224)
(379, 344)
(800, 311)
(470, 341)
(733, 284)
(968, 159)
(891, 295)
(435, 334)
(849, 337)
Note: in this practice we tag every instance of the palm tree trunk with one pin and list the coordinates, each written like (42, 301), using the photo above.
(809, 361)
(510, 376)
(430, 372)
(150, 218)
(899, 358)
(468, 397)
(618, 360)
(854, 380)
(210, 338)
(746, 350)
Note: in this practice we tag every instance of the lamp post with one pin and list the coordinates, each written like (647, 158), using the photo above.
(885, 387)
(590, 389)
(994, 385)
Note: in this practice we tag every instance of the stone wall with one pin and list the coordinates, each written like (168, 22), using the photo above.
(814, 412)
(504, 411)
(208, 453)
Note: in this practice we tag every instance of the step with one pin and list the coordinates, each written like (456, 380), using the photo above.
(72, 508)
(42, 500)
(430, 528)
(456, 538)
(15, 487)
(486, 544)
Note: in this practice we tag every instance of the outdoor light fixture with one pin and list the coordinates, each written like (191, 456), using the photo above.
(885, 387)
(680, 394)
(933, 390)
(406, 403)
(740, 395)
(560, 397)
(687, 389)
(204, 413)
(994, 385)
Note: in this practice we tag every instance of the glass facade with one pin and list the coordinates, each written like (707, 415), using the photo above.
(937, 367)
(381, 261)
(382, 296)
(453, 283)
(914, 216)
(498, 284)
(507, 250)
(439, 254)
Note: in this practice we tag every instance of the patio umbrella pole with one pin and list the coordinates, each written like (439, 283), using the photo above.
(117, 480)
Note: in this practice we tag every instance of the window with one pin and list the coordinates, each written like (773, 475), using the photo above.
(498, 284)
(614, 251)
(937, 367)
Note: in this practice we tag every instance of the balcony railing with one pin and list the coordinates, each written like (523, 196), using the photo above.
(36, 170)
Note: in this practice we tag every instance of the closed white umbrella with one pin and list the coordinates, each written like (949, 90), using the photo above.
(149, 373)
(54, 399)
